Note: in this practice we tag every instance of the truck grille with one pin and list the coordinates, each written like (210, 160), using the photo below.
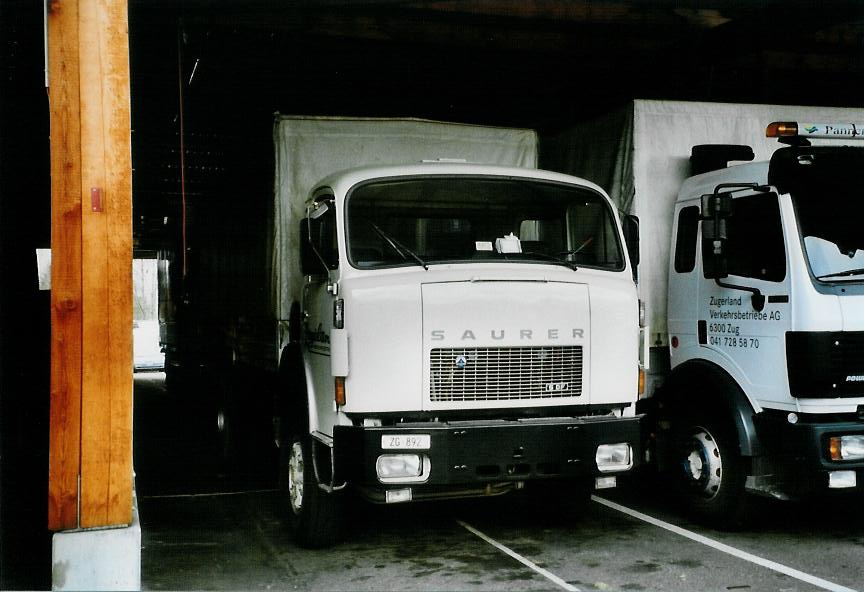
(825, 364)
(505, 373)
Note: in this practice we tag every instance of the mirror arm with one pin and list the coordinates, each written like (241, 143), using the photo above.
(757, 299)
(741, 187)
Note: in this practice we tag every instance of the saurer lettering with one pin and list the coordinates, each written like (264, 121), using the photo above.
(499, 334)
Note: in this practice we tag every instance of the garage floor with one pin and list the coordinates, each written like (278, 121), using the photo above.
(210, 524)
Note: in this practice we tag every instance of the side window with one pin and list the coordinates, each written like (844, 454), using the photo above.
(323, 234)
(685, 241)
(542, 236)
(754, 245)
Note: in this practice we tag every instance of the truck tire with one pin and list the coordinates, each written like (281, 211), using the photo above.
(313, 514)
(223, 418)
(712, 472)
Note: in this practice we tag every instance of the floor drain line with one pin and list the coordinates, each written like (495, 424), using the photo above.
(772, 565)
(524, 561)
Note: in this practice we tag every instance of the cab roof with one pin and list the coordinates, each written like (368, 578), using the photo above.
(342, 181)
(699, 185)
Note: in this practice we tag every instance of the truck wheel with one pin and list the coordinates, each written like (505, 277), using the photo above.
(314, 515)
(713, 474)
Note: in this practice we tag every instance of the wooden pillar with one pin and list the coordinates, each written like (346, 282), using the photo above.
(90, 474)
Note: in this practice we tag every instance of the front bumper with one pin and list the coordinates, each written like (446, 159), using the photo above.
(799, 452)
(472, 454)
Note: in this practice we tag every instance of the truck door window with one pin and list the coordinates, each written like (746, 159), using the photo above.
(755, 247)
(685, 240)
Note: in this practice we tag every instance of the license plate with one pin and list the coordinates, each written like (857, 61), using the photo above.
(406, 442)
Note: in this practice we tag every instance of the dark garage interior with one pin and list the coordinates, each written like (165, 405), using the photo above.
(207, 77)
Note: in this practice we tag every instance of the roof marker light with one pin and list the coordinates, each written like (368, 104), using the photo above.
(780, 129)
(839, 131)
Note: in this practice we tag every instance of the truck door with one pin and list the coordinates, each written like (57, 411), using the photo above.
(746, 334)
(317, 306)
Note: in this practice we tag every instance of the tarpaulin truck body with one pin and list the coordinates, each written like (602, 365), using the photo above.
(449, 328)
(751, 277)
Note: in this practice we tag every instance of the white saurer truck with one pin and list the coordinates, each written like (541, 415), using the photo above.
(756, 304)
(447, 329)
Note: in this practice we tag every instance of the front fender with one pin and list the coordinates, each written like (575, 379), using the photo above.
(700, 384)
(296, 395)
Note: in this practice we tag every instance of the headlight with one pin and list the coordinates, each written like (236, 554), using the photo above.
(614, 457)
(846, 447)
(394, 468)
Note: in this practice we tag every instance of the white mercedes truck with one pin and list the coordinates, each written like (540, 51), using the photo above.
(453, 328)
(757, 299)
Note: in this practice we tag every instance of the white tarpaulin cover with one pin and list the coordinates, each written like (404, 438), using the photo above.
(310, 149)
(641, 155)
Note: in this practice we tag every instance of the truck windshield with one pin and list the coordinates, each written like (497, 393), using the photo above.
(461, 219)
(825, 188)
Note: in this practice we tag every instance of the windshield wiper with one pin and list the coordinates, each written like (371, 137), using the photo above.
(401, 249)
(548, 257)
(858, 271)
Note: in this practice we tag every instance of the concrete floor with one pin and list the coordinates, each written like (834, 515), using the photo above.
(212, 525)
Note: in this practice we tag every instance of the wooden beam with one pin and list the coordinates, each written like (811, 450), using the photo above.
(106, 427)
(65, 416)
(98, 253)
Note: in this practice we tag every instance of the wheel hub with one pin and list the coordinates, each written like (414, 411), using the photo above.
(703, 464)
(295, 477)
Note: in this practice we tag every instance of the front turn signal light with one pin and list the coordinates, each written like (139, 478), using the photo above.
(641, 382)
(339, 391)
(846, 447)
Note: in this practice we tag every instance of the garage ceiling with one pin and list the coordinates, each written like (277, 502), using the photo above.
(574, 54)
(528, 63)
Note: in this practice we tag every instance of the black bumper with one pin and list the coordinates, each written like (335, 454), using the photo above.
(472, 453)
(800, 452)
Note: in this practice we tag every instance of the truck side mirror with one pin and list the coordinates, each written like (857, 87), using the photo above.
(716, 205)
(716, 209)
(320, 210)
(309, 262)
(631, 238)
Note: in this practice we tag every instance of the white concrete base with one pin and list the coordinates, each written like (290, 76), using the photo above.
(105, 559)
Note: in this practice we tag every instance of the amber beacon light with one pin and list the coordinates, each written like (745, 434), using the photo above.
(780, 129)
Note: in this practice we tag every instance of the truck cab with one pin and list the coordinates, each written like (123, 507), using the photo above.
(463, 330)
(766, 327)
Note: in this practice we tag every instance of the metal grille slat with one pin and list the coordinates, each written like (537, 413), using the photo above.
(505, 373)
